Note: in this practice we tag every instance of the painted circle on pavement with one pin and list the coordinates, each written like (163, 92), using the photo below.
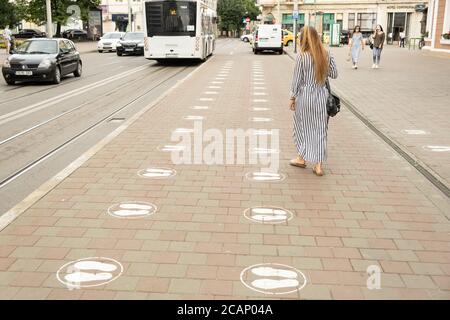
(273, 278)
(132, 209)
(157, 173)
(268, 214)
(264, 176)
(89, 272)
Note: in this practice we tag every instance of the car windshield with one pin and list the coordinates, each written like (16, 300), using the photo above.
(134, 36)
(38, 47)
(111, 36)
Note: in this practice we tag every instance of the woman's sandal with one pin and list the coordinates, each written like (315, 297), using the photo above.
(295, 163)
(317, 173)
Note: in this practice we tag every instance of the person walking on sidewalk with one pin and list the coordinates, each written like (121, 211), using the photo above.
(356, 45)
(7, 37)
(402, 39)
(378, 43)
(309, 95)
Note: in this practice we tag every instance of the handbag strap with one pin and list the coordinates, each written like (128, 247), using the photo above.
(327, 84)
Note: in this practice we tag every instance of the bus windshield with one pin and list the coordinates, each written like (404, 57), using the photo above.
(171, 18)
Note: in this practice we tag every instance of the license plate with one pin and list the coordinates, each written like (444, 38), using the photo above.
(171, 55)
(24, 73)
(129, 49)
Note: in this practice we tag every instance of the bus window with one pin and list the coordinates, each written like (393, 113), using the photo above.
(171, 18)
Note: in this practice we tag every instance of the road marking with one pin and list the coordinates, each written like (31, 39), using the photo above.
(263, 151)
(170, 148)
(54, 100)
(264, 176)
(194, 118)
(438, 148)
(273, 278)
(200, 108)
(206, 99)
(262, 132)
(415, 132)
(157, 173)
(269, 214)
(83, 273)
(259, 100)
(132, 209)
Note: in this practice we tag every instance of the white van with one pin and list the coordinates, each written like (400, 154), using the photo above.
(268, 37)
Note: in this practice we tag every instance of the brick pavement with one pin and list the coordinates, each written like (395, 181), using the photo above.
(367, 210)
(407, 99)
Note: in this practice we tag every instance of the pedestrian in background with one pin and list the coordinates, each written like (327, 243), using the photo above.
(309, 95)
(402, 39)
(7, 37)
(377, 45)
(356, 45)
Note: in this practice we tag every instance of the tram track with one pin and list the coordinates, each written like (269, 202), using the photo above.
(43, 157)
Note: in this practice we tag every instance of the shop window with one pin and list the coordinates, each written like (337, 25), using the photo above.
(367, 21)
(446, 29)
(351, 21)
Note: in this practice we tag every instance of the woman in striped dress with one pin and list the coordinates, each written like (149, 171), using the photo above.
(308, 100)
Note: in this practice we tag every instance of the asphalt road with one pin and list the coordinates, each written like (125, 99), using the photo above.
(45, 127)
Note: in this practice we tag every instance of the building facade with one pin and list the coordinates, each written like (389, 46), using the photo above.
(438, 26)
(394, 16)
(115, 15)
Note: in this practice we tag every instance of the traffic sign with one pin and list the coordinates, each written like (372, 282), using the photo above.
(295, 14)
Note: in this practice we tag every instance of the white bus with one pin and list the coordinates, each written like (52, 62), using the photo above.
(183, 29)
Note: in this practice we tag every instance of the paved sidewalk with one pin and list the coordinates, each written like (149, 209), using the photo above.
(407, 99)
(367, 210)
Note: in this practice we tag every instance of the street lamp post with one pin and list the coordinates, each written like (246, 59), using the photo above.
(49, 19)
(130, 28)
(295, 24)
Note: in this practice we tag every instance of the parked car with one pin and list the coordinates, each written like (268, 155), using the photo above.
(131, 43)
(288, 38)
(29, 33)
(109, 41)
(42, 60)
(345, 37)
(75, 34)
(268, 37)
(247, 37)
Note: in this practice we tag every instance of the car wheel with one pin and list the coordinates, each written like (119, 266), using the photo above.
(57, 76)
(119, 53)
(281, 51)
(100, 51)
(246, 40)
(288, 43)
(10, 82)
(255, 51)
(77, 73)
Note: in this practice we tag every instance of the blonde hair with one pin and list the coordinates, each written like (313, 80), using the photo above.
(310, 42)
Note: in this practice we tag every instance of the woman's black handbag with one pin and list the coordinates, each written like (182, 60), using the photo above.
(333, 102)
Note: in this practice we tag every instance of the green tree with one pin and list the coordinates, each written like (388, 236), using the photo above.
(36, 11)
(232, 13)
(8, 14)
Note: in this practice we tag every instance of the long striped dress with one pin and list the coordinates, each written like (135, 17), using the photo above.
(310, 116)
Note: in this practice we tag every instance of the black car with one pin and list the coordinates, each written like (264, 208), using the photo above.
(75, 34)
(131, 43)
(30, 33)
(345, 37)
(42, 60)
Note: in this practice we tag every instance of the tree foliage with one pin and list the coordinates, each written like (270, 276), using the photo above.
(35, 10)
(8, 14)
(232, 12)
